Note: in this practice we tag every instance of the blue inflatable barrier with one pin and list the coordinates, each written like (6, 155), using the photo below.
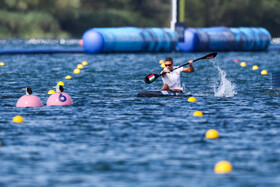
(225, 39)
(274, 47)
(129, 39)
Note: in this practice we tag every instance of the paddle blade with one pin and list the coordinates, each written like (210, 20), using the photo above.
(209, 56)
(151, 78)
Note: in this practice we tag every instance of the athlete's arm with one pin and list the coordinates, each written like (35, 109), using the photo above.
(190, 68)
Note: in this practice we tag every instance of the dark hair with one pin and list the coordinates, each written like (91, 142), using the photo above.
(169, 59)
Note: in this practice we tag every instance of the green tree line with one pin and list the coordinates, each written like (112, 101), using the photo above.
(71, 18)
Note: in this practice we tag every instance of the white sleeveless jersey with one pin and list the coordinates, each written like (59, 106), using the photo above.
(172, 79)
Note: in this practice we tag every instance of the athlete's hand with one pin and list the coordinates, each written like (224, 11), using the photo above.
(166, 71)
(190, 62)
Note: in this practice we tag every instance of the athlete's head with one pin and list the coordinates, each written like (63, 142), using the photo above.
(168, 63)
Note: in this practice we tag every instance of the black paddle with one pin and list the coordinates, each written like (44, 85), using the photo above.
(152, 77)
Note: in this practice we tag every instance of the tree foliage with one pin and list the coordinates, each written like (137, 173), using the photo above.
(71, 18)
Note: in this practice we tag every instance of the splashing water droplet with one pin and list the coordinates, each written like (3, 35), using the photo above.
(225, 87)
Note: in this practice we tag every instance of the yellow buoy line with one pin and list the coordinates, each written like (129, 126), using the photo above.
(222, 166)
(77, 70)
(254, 67)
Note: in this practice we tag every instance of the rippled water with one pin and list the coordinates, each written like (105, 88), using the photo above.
(109, 137)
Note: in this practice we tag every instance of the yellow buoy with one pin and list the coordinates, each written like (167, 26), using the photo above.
(162, 65)
(60, 83)
(212, 134)
(161, 61)
(264, 72)
(192, 99)
(255, 67)
(2, 64)
(77, 71)
(80, 66)
(68, 77)
(18, 119)
(223, 167)
(51, 92)
(197, 114)
(85, 63)
(243, 64)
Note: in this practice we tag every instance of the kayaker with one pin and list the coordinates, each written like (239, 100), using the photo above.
(171, 79)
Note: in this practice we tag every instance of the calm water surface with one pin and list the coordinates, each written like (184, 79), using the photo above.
(109, 137)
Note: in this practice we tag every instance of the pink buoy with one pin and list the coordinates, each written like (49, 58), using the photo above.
(59, 98)
(29, 100)
(81, 42)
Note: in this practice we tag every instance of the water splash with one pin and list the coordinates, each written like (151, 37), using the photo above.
(225, 87)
